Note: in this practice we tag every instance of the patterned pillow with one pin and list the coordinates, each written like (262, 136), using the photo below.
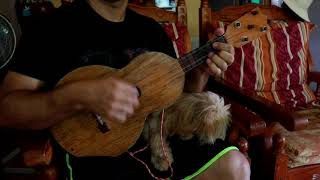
(275, 65)
(176, 32)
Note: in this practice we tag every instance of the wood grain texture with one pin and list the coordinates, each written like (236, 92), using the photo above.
(232, 13)
(305, 172)
(161, 81)
(250, 123)
(254, 18)
(229, 14)
(204, 21)
(274, 145)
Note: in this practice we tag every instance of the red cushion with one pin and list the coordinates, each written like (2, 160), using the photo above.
(176, 32)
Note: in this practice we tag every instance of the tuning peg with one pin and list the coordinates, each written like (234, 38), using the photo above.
(244, 38)
(237, 24)
(264, 29)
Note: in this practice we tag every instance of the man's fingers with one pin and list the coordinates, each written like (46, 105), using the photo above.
(219, 62)
(214, 70)
(129, 88)
(223, 47)
(118, 116)
(127, 98)
(121, 112)
(126, 93)
(219, 32)
(227, 57)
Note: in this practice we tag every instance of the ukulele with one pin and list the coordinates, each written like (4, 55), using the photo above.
(160, 80)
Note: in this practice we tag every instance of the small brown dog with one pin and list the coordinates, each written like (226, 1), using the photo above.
(204, 115)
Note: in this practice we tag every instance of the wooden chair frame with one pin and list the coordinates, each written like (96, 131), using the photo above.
(252, 113)
(161, 15)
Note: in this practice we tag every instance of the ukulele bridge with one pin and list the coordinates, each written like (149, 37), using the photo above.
(102, 125)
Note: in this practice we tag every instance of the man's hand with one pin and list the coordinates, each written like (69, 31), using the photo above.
(219, 62)
(112, 98)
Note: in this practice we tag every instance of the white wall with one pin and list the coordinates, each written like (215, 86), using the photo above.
(193, 21)
(314, 13)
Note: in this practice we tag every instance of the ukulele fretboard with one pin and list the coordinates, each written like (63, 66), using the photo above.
(199, 55)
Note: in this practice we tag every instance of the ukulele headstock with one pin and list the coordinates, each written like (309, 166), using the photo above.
(247, 28)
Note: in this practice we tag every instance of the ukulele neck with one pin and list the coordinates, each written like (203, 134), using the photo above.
(199, 55)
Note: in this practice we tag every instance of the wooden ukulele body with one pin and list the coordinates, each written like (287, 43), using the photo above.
(160, 79)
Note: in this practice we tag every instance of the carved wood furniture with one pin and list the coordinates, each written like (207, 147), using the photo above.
(245, 123)
(283, 141)
(33, 156)
(177, 18)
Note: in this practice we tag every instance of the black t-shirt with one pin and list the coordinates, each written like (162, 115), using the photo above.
(76, 36)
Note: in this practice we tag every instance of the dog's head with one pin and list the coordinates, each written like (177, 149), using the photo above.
(204, 115)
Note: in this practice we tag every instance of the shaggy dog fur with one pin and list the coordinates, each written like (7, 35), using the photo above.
(204, 115)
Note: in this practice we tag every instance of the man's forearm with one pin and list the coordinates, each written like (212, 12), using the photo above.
(37, 110)
(196, 81)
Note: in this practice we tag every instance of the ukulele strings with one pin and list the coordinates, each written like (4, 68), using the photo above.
(205, 46)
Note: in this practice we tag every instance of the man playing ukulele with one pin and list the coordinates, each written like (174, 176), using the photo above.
(101, 32)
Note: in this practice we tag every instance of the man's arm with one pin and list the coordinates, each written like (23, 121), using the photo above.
(196, 80)
(23, 106)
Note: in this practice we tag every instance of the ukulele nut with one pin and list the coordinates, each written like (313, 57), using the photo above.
(237, 24)
(250, 26)
(254, 12)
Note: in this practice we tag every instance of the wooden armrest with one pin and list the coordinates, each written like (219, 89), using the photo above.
(314, 77)
(268, 111)
(274, 140)
(248, 122)
(274, 151)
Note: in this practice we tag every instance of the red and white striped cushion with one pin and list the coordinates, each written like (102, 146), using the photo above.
(275, 65)
(176, 32)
